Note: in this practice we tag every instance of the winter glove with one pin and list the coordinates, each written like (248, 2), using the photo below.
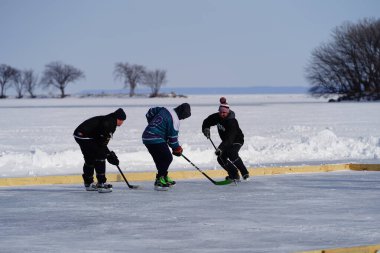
(218, 152)
(206, 132)
(112, 158)
(177, 151)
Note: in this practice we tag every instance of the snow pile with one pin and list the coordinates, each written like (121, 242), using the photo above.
(323, 146)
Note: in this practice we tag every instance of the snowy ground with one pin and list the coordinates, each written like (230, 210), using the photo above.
(36, 135)
(283, 213)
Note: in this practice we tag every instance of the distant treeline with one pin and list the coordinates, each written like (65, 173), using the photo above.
(348, 67)
(59, 75)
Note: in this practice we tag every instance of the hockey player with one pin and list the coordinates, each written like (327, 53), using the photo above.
(93, 136)
(232, 140)
(160, 134)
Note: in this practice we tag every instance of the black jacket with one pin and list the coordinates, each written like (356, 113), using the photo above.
(100, 128)
(228, 129)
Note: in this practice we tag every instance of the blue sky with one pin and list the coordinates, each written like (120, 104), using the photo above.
(198, 42)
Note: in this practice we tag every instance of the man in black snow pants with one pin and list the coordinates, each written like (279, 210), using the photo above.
(93, 136)
(232, 140)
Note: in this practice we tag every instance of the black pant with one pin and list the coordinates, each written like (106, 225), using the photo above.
(162, 157)
(94, 154)
(231, 161)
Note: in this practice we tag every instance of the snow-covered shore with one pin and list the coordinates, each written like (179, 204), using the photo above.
(36, 134)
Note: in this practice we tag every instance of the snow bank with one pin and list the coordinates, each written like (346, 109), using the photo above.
(278, 129)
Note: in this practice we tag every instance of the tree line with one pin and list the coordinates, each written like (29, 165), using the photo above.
(59, 75)
(348, 65)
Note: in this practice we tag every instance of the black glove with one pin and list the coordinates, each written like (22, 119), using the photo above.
(218, 152)
(112, 158)
(206, 132)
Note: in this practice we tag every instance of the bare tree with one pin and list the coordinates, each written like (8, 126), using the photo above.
(30, 81)
(131, 74)
(7, 76)
(350, 64)
(19, 84)
(155, 79)
(59, 75)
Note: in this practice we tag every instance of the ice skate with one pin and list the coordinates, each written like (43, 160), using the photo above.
(161, 185)
(170, 182)
(90, 187)
(104, 187)
(246, 178)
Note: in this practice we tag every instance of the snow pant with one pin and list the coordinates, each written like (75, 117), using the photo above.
(231, 161)
(94, 155)
(162, 157)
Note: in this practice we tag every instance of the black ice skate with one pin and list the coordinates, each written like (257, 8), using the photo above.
(104, 187)
(90, 187)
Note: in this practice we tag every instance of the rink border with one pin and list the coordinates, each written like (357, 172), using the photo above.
(375, 248)
(186, 174)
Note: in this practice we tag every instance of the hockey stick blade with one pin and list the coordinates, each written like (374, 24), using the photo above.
(130, 186)
(224, 182)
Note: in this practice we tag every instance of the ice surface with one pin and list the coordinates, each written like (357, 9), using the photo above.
(283, 213)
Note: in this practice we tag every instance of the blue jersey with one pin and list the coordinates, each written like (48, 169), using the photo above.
(163, 126)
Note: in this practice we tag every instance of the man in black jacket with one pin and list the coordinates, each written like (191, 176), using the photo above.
(93, 136)
(232, 140)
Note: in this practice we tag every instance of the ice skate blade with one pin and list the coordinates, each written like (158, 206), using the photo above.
(158, 188)
(102, 190)
(91, 189)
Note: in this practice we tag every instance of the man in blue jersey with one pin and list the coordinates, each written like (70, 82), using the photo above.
(160, 134)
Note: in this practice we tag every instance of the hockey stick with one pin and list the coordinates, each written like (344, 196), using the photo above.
(228, 160)
(224, 182)
(129, 185)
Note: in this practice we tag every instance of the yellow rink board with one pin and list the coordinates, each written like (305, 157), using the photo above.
(359, 249)
(192, 174)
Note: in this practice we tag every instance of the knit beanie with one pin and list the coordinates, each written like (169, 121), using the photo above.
(183, 111)
(224, 106)
(120, 114)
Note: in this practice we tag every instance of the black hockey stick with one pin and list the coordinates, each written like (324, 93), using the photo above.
(129, 185)
(228, 160)
(224, 182)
